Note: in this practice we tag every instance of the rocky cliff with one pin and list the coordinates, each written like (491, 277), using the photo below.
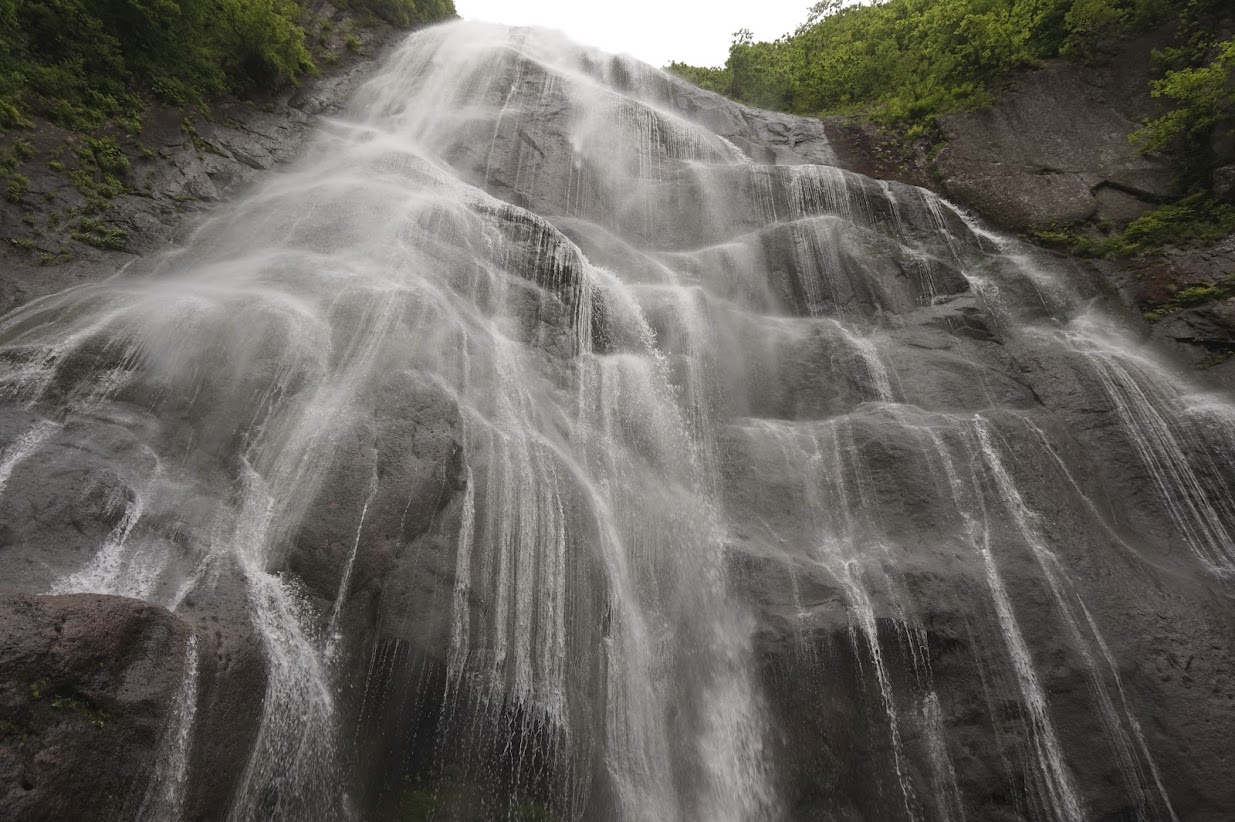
(95, 202)
(1053, 152)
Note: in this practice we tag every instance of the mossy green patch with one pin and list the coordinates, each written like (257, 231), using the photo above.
(92, 231)
(16, 187)
(1197, 219)
(1191, 296)
(84, 64)
(420, 802)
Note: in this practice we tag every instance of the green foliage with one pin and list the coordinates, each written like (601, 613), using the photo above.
(1069, 239)
(16, 187)
(99, 234)
(909, 60)
(712, 79)
(1191, 296)
(1196, 219)
(103, 154)
(405, 12)
(1203, 96)
(85, 63)
(263, 42)
(79, 62)
(46, 258)
(1090, 22)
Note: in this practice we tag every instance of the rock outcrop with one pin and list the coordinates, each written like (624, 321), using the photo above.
(1053, 151)
(1054, 148)
(93, 693)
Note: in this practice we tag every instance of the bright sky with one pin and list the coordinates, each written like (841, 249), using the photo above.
(655, 31)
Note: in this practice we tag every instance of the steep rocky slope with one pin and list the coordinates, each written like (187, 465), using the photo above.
(1053, 152)
(566, 441)
(94, 202)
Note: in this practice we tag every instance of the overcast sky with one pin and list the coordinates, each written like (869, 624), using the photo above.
(656, 31)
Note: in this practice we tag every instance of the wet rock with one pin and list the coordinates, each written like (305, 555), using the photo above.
(51, 526)
(1224, 183)
(231, 691)
(88, 687)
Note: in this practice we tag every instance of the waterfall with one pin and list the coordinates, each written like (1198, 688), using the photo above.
(571, 443)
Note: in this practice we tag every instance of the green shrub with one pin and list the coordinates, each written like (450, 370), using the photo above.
(99, 234)
(85, 63)
(11, 115)
(712, 79)
(910, 60)
(1196, 218)
(18, 185)
(405, 12)
(1191, 296)
(103, 154)
(1070, 240)
(1203, 97)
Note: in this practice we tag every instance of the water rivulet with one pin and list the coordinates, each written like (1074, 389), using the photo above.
(559, 441)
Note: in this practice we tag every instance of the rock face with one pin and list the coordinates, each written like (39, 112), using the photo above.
(1054, 149)
(91, 694)
(1224, 183)
(1200, 333)
(562, 441)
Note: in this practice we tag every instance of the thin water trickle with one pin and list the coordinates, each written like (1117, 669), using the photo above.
(164, 798)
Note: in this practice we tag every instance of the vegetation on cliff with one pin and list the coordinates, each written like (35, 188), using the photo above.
(907, 60)
(1201, 87)
(1198, 218)
(84, 63)
(904, 62)
(91, 92)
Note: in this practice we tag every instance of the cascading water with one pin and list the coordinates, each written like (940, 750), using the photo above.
(566, 442)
